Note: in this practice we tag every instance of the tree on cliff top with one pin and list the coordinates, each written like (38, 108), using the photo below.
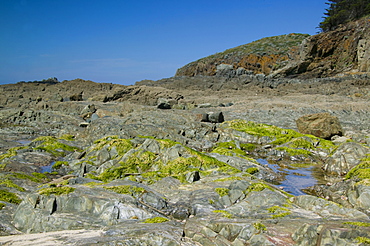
(343, 11)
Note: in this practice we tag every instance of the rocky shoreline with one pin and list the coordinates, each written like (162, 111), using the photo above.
(184, 161)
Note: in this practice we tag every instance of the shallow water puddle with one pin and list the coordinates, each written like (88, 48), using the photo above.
(47, 169)
(296, 178)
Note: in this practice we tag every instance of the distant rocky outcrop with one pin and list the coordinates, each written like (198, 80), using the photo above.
(262, 56)
(343, 50)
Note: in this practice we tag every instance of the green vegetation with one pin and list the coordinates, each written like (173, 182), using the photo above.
(224, 213)
(364, 240)
(11, 152)
(2, 205)
(278, 212)
(278, 45)
(222, 191)
(260, 227)
(301, 165)
(252, 170)
(59, 164)
(357, 224)
(231, 149)
(10, 184)
(147, 167)
(56, 191)
(296, 143)
(126, 189)
(341, 12)
(228, 179)
(53, 146)
(257, 187)
(10, 197)
(93, 184)
(361, 171)
(121, 145)
(35, 177)
(156, 220)
(40, 176)
(7, 180)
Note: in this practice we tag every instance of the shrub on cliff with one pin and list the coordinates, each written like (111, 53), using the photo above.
(343, 11)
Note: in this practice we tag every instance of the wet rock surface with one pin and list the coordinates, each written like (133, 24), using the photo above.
(225, 168)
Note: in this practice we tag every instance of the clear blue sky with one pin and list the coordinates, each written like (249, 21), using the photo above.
(124, 41)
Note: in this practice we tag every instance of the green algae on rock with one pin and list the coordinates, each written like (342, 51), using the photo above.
(224, 213)
(361, 171)
(53, 146)
(56, 191)
(10, 197)
(156, 220)
(222, 191)
(11, 152)
(126, 189)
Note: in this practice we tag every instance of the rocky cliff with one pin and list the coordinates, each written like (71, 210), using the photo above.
(343, 50)
(262, 56)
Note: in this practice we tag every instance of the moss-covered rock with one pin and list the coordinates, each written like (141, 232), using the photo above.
(56, 191)
(126, 189)
(156, 220)
(361, 171)
(10, 197)
(224, 213)
(53, 146)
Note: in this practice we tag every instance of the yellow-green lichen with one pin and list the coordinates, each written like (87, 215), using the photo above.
(361, 171)
(279, 136)
(10, 197)
(357, 223)
(35, 177)
(365, 182)
(278, 212)
(56, 191)
(122, 146)
(126, 189)
(364, 240)
(93, 184)
(156, 220)
(59, 164)
(10, 184)
(11, 152)
(260, 227)
(224, 213)
(257, 187)
(231, 149)
(166, 143)
(228, 179)
(148, 167)
(252, 170)
(53, 146)
(222, 191)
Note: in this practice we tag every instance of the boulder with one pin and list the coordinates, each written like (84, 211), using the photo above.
(347, 156)
(216, 117)
(322, 125)
(76, 97)
(165, 103)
